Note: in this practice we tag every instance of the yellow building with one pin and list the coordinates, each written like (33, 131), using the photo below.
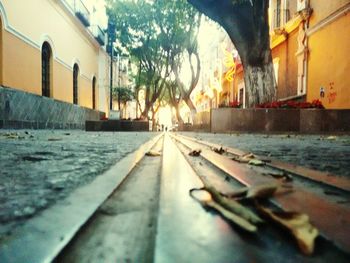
(310, 43)
(310, 47)
(50, 48)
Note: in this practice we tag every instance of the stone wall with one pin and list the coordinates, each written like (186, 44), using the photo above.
(201, 122)
(280, 120)
(117, 125)
(22, 110)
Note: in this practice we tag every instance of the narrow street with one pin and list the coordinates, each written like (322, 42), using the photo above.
(174, 131)
(140, 210)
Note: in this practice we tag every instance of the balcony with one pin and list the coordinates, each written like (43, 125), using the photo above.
(81, 12)
(98, 34)
(280, 18)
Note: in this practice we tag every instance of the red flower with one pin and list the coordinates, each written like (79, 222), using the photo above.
(235, 104)
(291, 104)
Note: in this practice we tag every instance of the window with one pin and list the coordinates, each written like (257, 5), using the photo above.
(75, 83)
(94, 93)
(46, 69)
(278, 14)
(241, 93)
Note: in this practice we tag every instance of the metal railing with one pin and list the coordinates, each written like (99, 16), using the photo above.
(82, 12)
(280, 18)
(98, 34)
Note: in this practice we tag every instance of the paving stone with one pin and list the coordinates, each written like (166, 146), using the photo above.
(36, 172)
(312, 151)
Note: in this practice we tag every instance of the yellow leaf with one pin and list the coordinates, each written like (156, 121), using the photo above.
(298, 224)
(153, 154)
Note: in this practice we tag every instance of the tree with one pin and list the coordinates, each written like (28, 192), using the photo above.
(180, 28)
(174, 98)
(246, 22)
(191, 54)
(123, 95)
(139, 34)
(158, 35)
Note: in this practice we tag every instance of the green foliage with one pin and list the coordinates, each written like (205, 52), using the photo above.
(156, 34)
(123, 94)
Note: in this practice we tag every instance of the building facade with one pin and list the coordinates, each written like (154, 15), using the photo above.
(310, 50)
(310, 46)
(51, 48)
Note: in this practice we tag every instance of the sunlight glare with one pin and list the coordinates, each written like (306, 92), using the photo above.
(165, 116)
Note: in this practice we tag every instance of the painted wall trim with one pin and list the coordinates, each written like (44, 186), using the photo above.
(326, 21)
(289, 27)
(3, 15)
(46, 38)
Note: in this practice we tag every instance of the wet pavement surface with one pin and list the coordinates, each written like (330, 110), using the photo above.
(323, 153)
(39, 167)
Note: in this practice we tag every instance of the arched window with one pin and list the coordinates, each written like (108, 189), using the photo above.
(94, 93)
(75, 83)
(46, 69)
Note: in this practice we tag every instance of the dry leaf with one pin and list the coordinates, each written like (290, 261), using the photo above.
(259, 191)
(256, 162)
(195, 152)
(298, 224)
(236, 219)
(262, 191)
(277, 175)
(54, 139)
(233, 206)
(219, 151)
(245, 158)
(153, 154)
(231, 216)
(331, 138)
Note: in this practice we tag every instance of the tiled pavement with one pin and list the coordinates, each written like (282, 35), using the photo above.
(38, 167)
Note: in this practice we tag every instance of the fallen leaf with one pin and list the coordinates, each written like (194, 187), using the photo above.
(259, 191)
(219, 150)
(195, 152)
(298, 224)
(208, 202)
(34, 158)
(245, 158)
(153, 154)
(12, 136)
(231, 216)
(233, 206)
(256, 162)
(276, 174)
(54, 139)
(262, 191)
(280, 175)
(331, 138)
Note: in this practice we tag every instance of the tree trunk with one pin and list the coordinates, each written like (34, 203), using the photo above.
(178, 115)
(119, 102)
(246, 23)
(144, 114)
(154, 126)
(259, 83)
